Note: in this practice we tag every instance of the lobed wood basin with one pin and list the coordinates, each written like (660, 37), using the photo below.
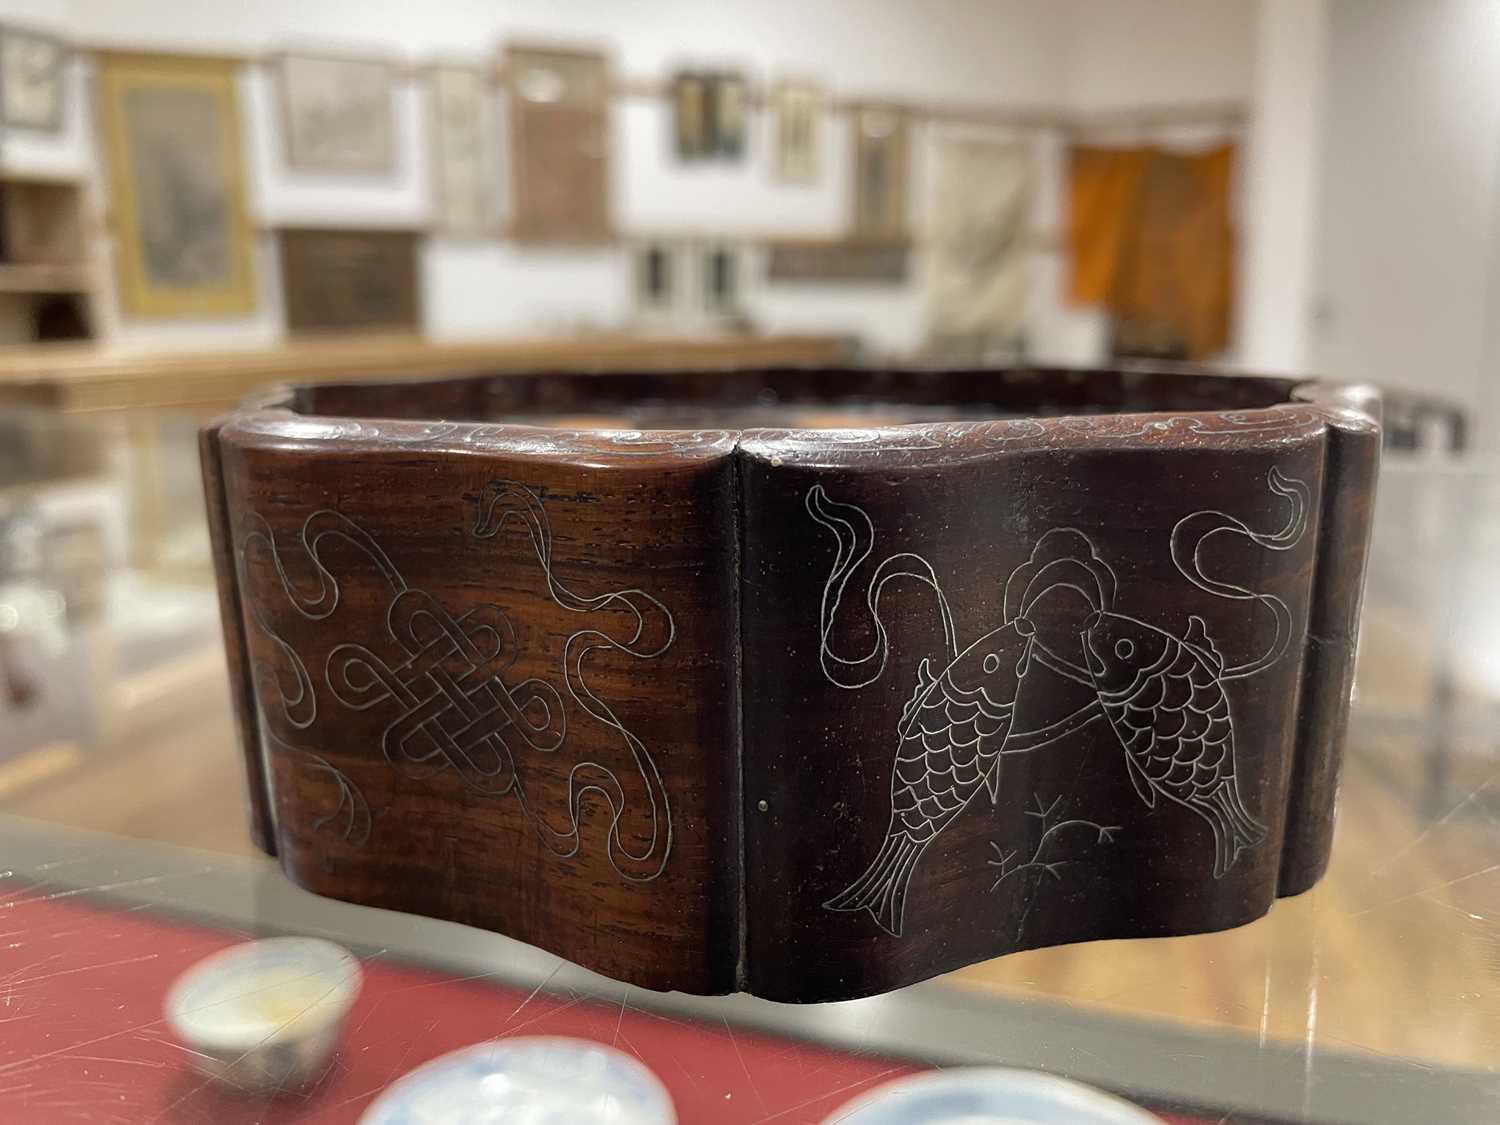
(807, 683)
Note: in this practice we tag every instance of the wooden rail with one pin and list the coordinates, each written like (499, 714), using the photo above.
(74, 379)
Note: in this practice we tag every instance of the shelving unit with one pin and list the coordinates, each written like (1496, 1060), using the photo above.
(47, 281)
(42, 278)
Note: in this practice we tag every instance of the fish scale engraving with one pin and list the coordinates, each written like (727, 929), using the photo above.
(1171, 714)
(1162, 695)
(957, 724)
(951, 733)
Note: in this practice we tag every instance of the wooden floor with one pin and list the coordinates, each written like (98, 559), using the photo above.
(1397, 951)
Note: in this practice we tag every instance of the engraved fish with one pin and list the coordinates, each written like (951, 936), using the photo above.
(950, 736)
(1164, 696)
(957, 724)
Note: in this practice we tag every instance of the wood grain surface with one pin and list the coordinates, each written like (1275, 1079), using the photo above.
(709, 702)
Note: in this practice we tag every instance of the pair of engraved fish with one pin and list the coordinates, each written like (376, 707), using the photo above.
(1162, 695)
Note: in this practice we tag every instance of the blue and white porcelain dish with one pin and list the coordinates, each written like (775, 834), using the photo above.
(526, 1081)
(988, 1096)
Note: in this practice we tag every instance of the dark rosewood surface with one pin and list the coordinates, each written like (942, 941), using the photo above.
(809, 683)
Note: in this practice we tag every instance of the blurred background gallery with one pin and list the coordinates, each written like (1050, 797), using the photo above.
(198, 198)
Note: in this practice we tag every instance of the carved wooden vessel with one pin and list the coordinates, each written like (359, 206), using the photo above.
(664, 674)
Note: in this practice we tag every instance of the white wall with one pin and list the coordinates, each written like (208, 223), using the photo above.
(1283, 167)
(1132, 53)
(42, 14)
(993, 48)
(1407, 223)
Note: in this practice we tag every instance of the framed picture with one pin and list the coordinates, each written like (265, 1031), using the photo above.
(719, 277)
(349, 280)
(560, 144)
(687, 282)
(880, 171)
(851, 261)
(709, 115)
(31, 79)
(690, 116)
(463, 202)
(659, 271)
(797, 114)
(731, 103)
(339, 114)
(171, 130)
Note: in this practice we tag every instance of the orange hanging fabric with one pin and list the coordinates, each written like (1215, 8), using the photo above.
(1103, 186)
(1173, 291)
(1153, 241)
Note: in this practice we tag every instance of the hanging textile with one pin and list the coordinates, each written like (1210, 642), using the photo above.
(979, 277)
(1173, 291)
(1152, 240)
(1103, 187)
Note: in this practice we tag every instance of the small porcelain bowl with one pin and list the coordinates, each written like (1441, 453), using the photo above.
(541, 1080)
(265, 1015)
